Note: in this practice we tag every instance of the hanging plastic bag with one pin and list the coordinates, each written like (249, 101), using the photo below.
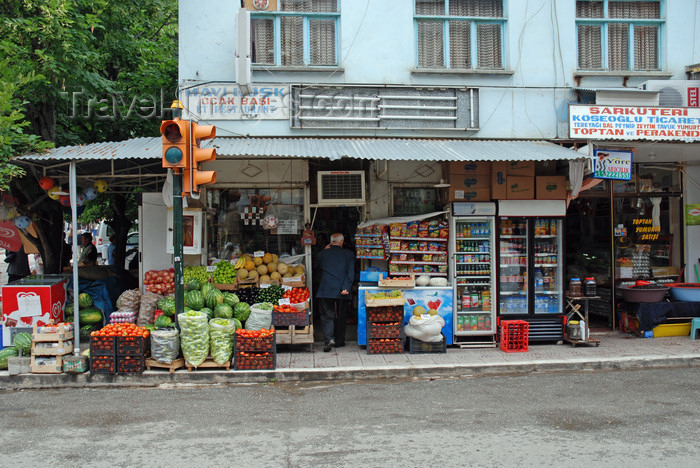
(271, 219)
(427, 329)
(221, 339)
(165, 345)
(194, 336)
(260, 317)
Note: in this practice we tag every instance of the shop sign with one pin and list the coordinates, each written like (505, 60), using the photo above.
(616, 165)
(287, 226)
(634, 123)
(226, 102)
(692, 214)
(645, 230)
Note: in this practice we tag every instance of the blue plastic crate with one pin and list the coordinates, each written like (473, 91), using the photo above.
(371, 276)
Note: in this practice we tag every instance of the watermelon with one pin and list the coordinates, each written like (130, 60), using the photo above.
(85, 300)
(162, 301)
(23, 342)
(162, 322)
(90, 316)
(208, 311)
(186, 295)
(85, 330)
(193, 284)
(167, 306)
(214, 298)
(224, 311)
(241, 311)
(231, 299)
(150, 327)
(196, 299)
(69, 309)
(7, 353)
(207, 288)
(238, 323)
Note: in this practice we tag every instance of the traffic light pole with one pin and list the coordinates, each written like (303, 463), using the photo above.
(177, 241)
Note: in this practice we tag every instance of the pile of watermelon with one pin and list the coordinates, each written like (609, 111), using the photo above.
(90, 318)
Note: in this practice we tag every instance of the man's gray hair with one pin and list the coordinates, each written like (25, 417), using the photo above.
(337, 238)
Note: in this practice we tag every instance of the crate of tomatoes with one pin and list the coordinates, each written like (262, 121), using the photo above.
(288, 315)
(254, 341)
(112, 343)
(297, 296)
(254, 361)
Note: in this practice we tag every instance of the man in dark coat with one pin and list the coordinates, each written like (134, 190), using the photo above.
(336, 266)
(18, 266)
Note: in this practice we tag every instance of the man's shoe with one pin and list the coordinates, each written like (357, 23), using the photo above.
(328, 346)
(339, 345)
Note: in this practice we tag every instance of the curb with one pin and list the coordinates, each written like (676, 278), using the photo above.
(218, 378)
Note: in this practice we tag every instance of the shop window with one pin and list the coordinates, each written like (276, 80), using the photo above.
(414, 201)
(242, 221)
(474, 32)
(619, 35)
(302, 33)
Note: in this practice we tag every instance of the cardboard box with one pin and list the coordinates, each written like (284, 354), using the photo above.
(471, 194)
(521, 168)
(520, 188)
(465, 167)
(499, 173)
(469, 181)
(551, 187)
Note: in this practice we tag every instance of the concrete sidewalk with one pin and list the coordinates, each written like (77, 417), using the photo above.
(299, 363)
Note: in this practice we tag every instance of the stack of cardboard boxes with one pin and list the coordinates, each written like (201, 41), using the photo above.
(501, 180)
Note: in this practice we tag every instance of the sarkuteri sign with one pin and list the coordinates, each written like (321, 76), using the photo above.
(224, 101)
(634, 123)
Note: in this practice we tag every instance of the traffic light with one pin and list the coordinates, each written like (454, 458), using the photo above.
(176, 143)
(199, 155)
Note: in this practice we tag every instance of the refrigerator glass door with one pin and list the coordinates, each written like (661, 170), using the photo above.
(547, 265)
(474, 276)
(512, 282)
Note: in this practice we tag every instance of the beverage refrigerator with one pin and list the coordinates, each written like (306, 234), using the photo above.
(472, 254)
(530, 265)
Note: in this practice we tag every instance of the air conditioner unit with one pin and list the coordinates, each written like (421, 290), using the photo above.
(341, 188)
(675, 93)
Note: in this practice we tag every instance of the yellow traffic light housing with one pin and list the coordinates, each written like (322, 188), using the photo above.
(176, 143)
(198, 177)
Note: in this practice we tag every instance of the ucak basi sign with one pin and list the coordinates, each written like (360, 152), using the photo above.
(634, 123)
(226, 102)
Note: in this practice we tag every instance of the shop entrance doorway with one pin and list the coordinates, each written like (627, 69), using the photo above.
(326, 221)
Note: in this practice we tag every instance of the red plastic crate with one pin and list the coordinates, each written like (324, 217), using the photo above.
(132, 345)
(385, 346)
(514, 336)
(103, 345)
(130, 364)
(285, 319)
(385, 314)
(102, 365)
(254, 345)
(385, 330)
(254, 361)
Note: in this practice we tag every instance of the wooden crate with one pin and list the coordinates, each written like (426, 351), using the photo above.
(394, 301)
(225, 286)
(172, 367)
(62, 334)
(397, 283)
(295, 281)
(47, 368)
(208, 364)
(293, 335)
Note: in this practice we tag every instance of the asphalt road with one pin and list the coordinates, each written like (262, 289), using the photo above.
(633, 418)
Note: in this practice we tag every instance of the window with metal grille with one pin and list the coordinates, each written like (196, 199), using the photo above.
(460, 34)
(619, 35)
(300, 33)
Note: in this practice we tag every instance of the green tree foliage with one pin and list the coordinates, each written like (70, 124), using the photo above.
(100, 70)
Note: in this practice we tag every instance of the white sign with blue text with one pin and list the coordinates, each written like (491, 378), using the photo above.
(224, 101)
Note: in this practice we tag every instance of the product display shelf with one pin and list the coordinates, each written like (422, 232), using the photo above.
(413, 258)
(49, 360)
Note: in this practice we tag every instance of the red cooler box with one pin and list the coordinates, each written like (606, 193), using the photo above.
(34, 299)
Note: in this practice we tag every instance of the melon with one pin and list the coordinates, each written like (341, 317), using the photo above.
(272, 267)
(282, 268)
(85, 300)
(264, 279)
(23, 342)
(90, 316)
(275, 258)
(223, 311)
(231, 299)
(162, 321)
(241, 311)
(192, 284)
(195, 299)
(258, 261)
(253, 275)
(6, 353)
(262, 270)
(242, 273)
(168, 306)
(267, 258)
(275, 276)
(215, 298)
(207, 288)
(249, 265)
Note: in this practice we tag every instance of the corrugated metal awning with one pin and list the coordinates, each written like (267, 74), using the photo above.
(134, 148)
(393, 149)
